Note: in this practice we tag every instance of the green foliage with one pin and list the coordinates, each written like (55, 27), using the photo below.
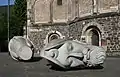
(3, 26)
(18, 18)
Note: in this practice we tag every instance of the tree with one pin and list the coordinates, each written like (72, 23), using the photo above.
(3, 31)
(3, 26)
(18, 18)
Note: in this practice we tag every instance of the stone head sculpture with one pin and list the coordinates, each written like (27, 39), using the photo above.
(68, 53)
(20, 48)
(94, 56)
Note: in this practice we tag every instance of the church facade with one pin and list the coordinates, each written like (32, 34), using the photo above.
(96, 22)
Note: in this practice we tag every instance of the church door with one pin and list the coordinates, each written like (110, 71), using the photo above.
(95, 38)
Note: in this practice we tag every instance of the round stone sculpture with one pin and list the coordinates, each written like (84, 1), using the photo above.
(20, 48)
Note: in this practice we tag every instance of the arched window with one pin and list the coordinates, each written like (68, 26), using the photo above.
(53, 36)
(59, 2)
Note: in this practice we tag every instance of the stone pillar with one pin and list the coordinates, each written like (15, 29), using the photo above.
(28, 16)
(95, 6)
(69, 10)
(51, 11)
(119, 6)
(77, 8)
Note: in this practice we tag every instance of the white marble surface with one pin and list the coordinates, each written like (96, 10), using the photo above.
(73, 54)
(20, 48)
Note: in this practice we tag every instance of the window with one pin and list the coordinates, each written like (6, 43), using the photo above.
(53, 36)
(59, 2)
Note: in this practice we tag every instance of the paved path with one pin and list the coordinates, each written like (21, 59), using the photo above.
(39, 68)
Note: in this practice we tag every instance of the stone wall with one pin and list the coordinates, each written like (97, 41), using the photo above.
(60, 11)
(42, 11)
(39, 35)
(71, 17)
(111, 34)
(110, 24)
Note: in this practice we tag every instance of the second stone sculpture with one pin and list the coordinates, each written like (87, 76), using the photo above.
(69, 53)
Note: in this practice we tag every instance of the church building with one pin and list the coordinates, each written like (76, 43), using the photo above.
(96, 22)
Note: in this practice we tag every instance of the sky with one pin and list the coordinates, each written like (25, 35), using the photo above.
(5, 2)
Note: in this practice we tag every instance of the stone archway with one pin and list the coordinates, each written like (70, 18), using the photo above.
(53, 35)
(91, 34)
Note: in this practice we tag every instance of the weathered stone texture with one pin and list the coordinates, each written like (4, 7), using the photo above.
(60, 11)
(107, 4)
(38, 37)
(74, 31)
(81, 12)
(42, 11)
(85, 6)
(111, 32)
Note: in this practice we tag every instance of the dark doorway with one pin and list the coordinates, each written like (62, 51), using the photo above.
(95, 38)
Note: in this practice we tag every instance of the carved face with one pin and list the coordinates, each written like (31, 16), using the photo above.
(72, 54)
(65, 55)
(57, 55)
